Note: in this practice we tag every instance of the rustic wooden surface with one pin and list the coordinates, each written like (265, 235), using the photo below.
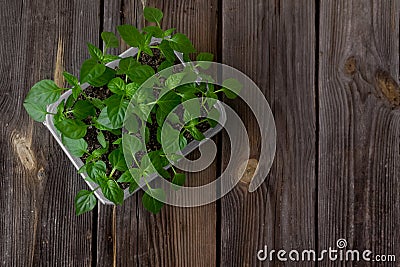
(330, 72)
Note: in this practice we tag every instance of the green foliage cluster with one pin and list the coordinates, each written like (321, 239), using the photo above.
(81, 112)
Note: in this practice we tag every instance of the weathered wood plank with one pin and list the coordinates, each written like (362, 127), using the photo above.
(38, 226)
(274, 43)
(176, 236)
(359, 159)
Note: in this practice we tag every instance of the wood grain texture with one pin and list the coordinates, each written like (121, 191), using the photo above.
(273, 42)
(38, 226)
(359, 156)
(130, 235)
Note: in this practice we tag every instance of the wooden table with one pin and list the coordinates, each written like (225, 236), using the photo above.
(329, 70)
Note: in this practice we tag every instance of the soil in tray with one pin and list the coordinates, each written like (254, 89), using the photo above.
(103, 93)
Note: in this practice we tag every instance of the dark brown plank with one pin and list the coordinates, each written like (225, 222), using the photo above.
(38, 226)
(359, 159)
(130, 235)
(273, 42)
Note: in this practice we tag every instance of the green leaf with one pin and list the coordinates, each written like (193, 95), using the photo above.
(169, 101)
(146, 49)
(152, 14)
(179, 179)
(117, 160)
(140, 74)
(159, 163)
(167, 51)
(96, 170)
(36, 111)
(95, 52)
(76, 90)
(109, 39)
(116, 108)
(133, 143)
(71, 79)
(43, 93)
(109, 58)
(83, 108)
(154, 31)
(131, 35)
(117, 86)
(170, 139)
(101, 139)
(97, 103)
(91, 70)
(73, 129)
(179, 42)
(76, 147)
(196, 133)
(85, 201)
(169, 32)
(127, 177)
(113, 192)
(150, 202)
(174, 80)
(204, 57)
(131, 89)
(231, 87)
(126, 65)
(165, 64)
(103, 79)
(104, 121)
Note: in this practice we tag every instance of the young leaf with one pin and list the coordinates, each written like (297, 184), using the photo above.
(96, 170)
(169, 101)
(152, 14)
(113, 192)
(179, 42)
(151, 200)
(117, 86)
(104, 121)
(116, 108)
(154, 31)
(117, 160)
(91, 70)
(140, 74)
(131, 35)
(76, 147)
(109, 39)
(196, 133)
(95, 52)
(133, 143)
(73, 129)
(126, 65)
(167, 51)
(231, 87)
(174, 80)
(205, 57)
(71, 79)
(76, 90)
(179, 179)
(36, 111)
(103, 79)
(168, 32)
(101, 139)
(131, 89)
(202, 58)
(165, 64)
(85, 201)
(83, 109)
(109, 58)
(159, 162)
(127, 177)
(43, 93)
